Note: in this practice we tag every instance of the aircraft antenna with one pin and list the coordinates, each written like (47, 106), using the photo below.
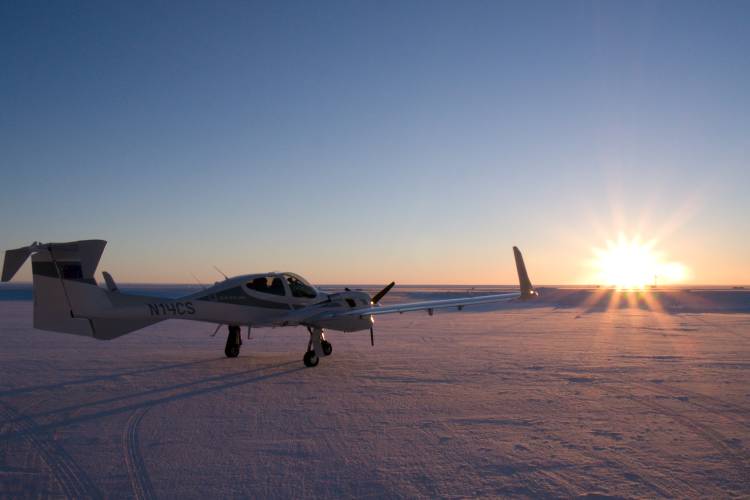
(198, 281)
(219, 270)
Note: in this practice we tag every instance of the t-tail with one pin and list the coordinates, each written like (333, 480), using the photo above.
(66, 296)
(527, 290)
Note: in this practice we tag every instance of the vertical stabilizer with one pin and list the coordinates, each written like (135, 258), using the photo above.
(63, 275)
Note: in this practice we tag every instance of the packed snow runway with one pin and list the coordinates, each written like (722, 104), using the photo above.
(541, 401)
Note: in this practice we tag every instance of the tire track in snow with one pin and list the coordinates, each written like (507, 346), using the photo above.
(722, 328)
(137, 471)
(72, 479)
(669, 390)
(628, 465)
(711, 436)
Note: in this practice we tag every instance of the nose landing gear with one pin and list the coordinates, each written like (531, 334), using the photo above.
(327, 347)
(317, 347)
(234, 341)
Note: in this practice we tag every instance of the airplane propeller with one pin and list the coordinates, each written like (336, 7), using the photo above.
(378, 296)
(375, 299)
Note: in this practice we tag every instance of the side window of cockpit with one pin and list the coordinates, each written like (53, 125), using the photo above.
(272, 285)
(300, 289)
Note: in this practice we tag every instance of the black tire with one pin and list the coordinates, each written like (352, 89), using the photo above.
(311, 359)
(327, 347)
(234, 341)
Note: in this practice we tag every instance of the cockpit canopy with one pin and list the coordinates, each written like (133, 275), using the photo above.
(273, 284)
(267, 284)
(299, 287)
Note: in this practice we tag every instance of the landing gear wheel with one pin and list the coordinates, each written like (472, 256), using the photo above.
(232, 351)
(234, 341)
(327, 347)
(310, 359)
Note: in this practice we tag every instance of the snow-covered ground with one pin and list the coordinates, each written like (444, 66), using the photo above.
(543, 401)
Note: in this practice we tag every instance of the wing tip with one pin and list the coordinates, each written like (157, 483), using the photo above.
(527, 289)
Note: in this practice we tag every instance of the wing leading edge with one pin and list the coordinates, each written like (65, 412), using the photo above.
(526, 292)
(429, 305)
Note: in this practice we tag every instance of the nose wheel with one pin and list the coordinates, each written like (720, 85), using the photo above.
(234, 341)
(317, 347)
(327, 347)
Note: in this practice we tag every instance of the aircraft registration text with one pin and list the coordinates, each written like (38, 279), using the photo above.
(172, 309)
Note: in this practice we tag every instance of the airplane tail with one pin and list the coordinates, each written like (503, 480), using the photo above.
(527, 290)
(66, 295)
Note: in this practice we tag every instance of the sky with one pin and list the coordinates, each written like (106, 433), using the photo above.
(370, 141)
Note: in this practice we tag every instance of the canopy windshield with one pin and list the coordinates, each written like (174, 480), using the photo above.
(267, 284)
(299, 287)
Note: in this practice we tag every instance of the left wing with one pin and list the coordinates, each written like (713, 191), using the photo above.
(526, 292)
(428, 305)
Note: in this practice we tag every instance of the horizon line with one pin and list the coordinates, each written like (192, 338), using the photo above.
(473, 285)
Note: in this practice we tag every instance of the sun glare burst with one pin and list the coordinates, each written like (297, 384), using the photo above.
(633, 264)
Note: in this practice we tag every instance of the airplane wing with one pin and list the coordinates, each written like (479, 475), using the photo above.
(526, 292)
(429, 305)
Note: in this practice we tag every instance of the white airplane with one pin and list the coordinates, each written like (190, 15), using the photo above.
(67, 299)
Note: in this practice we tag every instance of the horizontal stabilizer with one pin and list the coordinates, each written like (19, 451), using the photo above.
(14, 259)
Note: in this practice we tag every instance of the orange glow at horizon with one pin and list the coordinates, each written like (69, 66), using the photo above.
(628, 264)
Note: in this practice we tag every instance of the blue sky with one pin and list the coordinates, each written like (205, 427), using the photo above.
(369, 141)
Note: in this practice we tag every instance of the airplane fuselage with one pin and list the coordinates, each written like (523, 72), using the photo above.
(256, 300)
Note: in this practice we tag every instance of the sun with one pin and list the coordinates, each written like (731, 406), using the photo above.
(629, 264)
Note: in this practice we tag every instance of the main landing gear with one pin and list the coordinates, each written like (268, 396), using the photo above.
(234, 341)
(317, 347)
